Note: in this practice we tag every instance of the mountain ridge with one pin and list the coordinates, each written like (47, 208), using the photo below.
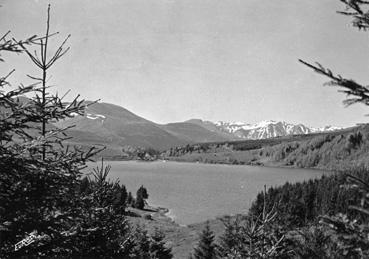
(263, 129)
(115, 127)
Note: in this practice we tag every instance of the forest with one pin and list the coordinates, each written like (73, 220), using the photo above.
(329, 151)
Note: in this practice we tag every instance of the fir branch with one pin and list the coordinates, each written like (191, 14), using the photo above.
(359, 93)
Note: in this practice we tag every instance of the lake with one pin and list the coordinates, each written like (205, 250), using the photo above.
(196, 192)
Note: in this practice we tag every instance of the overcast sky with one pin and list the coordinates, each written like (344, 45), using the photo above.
(172, 60)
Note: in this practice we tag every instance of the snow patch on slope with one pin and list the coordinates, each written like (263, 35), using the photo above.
(95, 116)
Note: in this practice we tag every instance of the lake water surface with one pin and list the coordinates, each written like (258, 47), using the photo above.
(196, 192)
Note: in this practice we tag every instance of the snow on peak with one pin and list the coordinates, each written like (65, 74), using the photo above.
(327, 128)
(268, 129)
(265, 123)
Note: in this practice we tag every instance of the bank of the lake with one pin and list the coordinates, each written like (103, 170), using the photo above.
(328, 151)
(180, 238)
(184, 195)
(196, 192)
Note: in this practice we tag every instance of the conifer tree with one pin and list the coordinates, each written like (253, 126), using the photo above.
(141, 196)
(142, 191)
(349, 235)
(47, 210)
(140, 244)
(253, 236)
(37, 185)
(206, 248)
(40, 184)
(356, 92)
(130, 200)
(229, 240)
(158, 249)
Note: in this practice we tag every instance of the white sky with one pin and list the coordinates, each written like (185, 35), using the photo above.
(172, 60)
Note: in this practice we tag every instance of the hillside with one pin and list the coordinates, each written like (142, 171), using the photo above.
(115, 127)
(213, 128)
(261, 130)
(330, 151)
(190, 133)
(319, 150)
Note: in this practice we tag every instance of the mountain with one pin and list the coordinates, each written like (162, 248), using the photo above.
(213, 127)
(261, 130)
(327, 129)
(113, 126)
(193, 133)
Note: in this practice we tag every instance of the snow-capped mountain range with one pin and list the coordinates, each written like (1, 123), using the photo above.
(240, 130)
(268, 129)
(114, 127)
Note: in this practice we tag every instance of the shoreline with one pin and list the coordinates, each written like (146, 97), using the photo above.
(169, 214)
(226, 164)
(181, 238)
(268, 165)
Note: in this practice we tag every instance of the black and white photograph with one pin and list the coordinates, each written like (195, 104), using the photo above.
(184, 129)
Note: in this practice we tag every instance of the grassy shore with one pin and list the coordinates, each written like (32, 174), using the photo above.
(180, 238)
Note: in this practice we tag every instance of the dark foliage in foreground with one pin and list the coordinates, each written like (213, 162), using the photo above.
(300, 204)
(158, 249)
(335, 227)
(337, 236)
(43, 197)
(323, 218)
(253, 237)
(206, 248)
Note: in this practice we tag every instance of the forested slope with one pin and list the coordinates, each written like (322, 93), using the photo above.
(324, 151)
